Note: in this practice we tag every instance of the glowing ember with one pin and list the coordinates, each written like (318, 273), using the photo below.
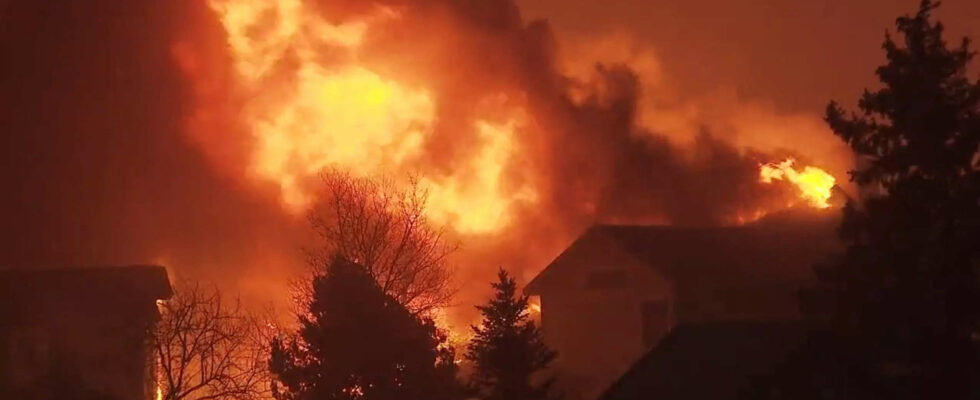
(535, 308)
(350, 118)
(463, 203)
(312, 104)
(814, 184)
(456, 334)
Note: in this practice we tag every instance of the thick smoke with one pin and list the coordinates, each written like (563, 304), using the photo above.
(96, 167)
(125, 144)
(584, 150)
(591, 146)
(583, 147)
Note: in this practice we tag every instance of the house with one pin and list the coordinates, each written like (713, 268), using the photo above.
(85, 330)
(616, 291)
(709, 361)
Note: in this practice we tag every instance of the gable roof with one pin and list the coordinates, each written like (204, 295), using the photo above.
(143, 281)
(778, 248)
(708, 361)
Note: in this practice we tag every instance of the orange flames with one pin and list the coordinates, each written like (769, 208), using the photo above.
(814, 184)
(508, 142)
(312, 93)
(534, 305)
(331, 111)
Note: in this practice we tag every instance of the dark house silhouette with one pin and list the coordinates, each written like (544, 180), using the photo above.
(618, 290)
(80, 332)
(709, 361)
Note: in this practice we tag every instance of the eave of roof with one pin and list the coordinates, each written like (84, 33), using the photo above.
(649, 241)
(534, 286)
(151, 280)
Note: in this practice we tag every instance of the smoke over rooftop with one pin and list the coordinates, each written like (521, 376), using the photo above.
(191, 133)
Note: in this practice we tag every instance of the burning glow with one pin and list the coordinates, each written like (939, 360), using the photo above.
(749, 216)
(462, 201)
(312, 104)
(157, 375)
(813, 183)
(351, 118)
(534, 305)
(456, 334)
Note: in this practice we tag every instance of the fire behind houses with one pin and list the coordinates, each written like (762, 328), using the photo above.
(521, 139)
(613, 295)
(555, 164)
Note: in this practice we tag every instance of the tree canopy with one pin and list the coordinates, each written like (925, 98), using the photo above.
(909, 277)
(358, 342)
(205, 348)
(508, 349)
(905, 295)
(383, 227)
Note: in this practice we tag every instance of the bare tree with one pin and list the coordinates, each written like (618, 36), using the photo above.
(207, 350)
(383, 227)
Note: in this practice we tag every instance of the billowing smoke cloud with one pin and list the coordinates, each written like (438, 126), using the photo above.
(592, 131)
(585, 144)
(96, 168)
(142, 142)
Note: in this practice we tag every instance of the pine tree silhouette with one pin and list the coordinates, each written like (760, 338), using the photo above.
(909, 284)
(358, 342)
(905, 295)
(508, 350)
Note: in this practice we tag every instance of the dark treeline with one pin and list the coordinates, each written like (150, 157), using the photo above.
(897, 314)
(358, 342)
(365, 317)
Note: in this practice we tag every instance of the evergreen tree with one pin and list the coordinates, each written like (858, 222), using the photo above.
(909, 280)
(357, 342)
(906, 292)
(508, 350)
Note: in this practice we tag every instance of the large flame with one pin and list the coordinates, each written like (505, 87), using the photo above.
(534, 306)
(311, 104)
(814, 184)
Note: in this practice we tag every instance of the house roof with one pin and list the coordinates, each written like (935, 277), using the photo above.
(777, 248)
(708, 361)
(146, 281)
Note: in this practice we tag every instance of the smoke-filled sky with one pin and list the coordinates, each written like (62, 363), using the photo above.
(131, 135)
(794, 55)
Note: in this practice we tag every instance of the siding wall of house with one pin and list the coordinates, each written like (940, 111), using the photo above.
(88, 328)
(594, 317)
(601, 298)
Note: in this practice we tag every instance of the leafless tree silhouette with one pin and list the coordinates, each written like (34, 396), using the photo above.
(383, 227)
(205, 349)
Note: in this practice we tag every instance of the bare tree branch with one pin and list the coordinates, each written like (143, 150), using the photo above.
(383, 228)
(207, 350)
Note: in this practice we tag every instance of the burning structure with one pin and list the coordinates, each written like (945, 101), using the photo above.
(521, 135)
(618, 290)
(516, 136)
(79, 330)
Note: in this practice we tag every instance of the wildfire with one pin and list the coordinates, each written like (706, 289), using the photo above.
(311, 103)
(814, 184)
(534, 305)
(456, 334)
